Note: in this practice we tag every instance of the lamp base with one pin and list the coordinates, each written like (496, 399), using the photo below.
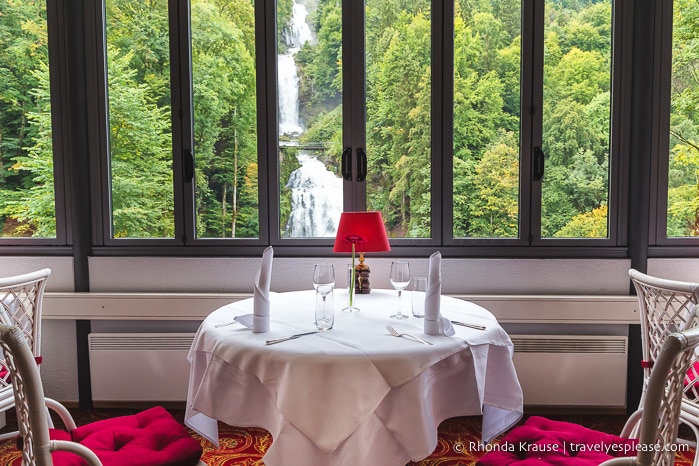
(350, 309)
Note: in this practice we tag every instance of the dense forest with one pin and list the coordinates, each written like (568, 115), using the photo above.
(486, 113)
(399, 91)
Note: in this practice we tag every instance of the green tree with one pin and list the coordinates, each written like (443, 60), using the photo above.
(224, 117)
(141, 30)
(588, 225)
(398, 111)
(140, 155)
(494, 211)
(320, 65)
(34, 206)
(683, 181)
(24, 110)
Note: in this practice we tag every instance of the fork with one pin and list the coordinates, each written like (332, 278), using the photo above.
(396, 333)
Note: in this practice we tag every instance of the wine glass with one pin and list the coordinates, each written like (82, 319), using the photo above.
(400, 278)
(324, 282)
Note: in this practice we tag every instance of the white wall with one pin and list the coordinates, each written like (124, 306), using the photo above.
(675, 269)
(225, 275)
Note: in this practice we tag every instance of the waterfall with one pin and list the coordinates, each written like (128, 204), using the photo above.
(316, 207)
(289, 123)
(294, 37)
(316, 193)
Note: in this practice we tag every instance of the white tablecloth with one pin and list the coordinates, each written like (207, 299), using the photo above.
(353, 395)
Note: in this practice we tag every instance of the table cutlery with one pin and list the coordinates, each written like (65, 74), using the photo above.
(226, 324)
(245, 320)
(290, 337)
(396, 333)
(466, 324)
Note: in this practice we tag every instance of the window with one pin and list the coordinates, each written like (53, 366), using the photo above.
(681, 149)
(225, 119)
(27, 198)
(355, 134)
(576, 117)
(151, 133)
(486, 120)
(464, 122)
(525, 176)
(140, 132)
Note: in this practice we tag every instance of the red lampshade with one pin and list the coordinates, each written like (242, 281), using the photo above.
(363, 229)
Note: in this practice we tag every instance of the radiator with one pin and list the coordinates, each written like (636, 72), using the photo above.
(554, 370)
(572, 370)
(139, 366)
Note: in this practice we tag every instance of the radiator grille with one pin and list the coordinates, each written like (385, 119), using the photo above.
(140, 342)
(571, 344)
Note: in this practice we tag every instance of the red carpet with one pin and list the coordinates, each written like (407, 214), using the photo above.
(247, 446)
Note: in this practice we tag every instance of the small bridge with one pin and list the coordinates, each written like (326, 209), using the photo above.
(309, 146)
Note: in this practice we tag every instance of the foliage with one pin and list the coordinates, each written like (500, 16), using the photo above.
(27, 207)
(399, 94)
(683, 180)
(225, 138)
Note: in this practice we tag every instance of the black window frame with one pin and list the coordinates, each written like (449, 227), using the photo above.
(442, 27)
(660, 245)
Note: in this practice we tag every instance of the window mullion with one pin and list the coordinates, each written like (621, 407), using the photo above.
(531, 114)
(182, 120)
(354, 98)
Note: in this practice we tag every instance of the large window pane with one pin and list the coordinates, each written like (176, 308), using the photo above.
(486, 119)
(140, 140)
(225, 119)
(683, 181)
(309, 117)
(398, 130)
(27, 201)
(576, 119)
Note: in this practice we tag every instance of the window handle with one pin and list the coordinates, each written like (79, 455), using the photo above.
(347, 163)
(188, 166)
(361, 164)
(538, 164)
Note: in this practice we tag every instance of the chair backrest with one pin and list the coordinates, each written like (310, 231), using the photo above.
(666, 306)
(21, 301)
(30, 405)
(663, 399)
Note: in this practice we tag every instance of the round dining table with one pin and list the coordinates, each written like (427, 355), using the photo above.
(355, 394)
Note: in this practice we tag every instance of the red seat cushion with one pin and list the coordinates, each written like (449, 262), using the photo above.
(542, 441)
(149, 438)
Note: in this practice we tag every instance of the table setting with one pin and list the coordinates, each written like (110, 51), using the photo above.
(325, 382)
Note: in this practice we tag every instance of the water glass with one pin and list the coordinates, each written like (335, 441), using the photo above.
(400, 279)
(325, 311)
(418, 296)
(324, 283)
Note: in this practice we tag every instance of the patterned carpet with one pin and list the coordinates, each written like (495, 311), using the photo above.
(246, 447)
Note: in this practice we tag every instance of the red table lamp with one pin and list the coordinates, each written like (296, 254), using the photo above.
(363, 232)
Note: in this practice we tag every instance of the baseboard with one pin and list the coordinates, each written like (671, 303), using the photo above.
(138, 404)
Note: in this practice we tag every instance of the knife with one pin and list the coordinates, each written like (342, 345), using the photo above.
(290, 337)
(466, 324)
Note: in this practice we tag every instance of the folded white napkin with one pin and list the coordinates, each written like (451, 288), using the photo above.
(435, 324)
(260, 308)
(246, 320)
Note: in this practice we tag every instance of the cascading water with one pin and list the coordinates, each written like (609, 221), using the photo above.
(294, 37)
(315, 205)
(316, 193)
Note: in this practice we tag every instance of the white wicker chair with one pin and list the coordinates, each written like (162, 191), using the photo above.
(21, 298)
(663, 401)
(667, 306)
(36, 439)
